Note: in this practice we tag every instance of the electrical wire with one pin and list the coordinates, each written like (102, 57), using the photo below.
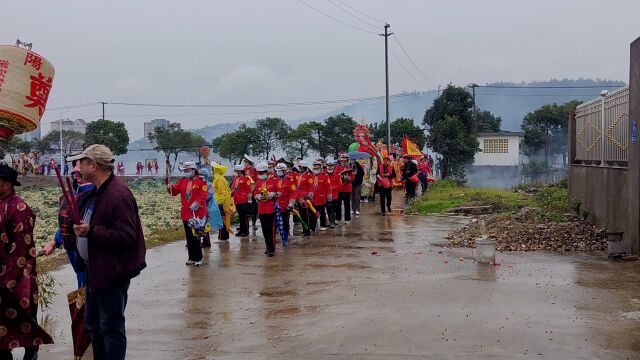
(354, 15)
(407, 70)
(335, 19)
(550, 87)
(412, 62)
(360, 12)
(72, 106)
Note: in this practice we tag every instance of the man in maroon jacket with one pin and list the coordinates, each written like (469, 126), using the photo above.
(111, 243)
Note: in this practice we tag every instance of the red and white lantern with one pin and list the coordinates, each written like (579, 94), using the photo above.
(25, 83)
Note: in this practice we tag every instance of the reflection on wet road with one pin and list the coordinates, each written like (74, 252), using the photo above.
(375, 289)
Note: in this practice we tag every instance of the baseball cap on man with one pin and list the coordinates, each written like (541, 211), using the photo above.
(98, 153)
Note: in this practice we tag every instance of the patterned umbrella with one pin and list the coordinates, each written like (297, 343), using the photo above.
(284, 234)
(81, 336)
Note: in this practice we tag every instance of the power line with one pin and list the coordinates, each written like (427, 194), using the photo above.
(338, 20)
(303, 103)
(540, 95)
(360, 12)
(72, 106)
(413, 62)
(406, 70)
(353, 15)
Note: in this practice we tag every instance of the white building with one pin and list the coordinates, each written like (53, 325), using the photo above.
(78, 125)
(28, 136)
(149, 127)
(499, 149)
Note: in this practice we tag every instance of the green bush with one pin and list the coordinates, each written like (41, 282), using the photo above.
(445, 184)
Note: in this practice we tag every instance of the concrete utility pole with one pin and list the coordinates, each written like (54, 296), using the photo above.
(386, 70)
(102, 102)
(473, 87)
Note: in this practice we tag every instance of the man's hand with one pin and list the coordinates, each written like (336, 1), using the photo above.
(49, 248)
(81, 230)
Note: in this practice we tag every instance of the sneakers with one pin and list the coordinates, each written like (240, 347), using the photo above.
(357, 213)
(322, 228)
(197, 263)
(190, 262)
(389, 209)
(383, 214)
(333, 226)
(346, 222)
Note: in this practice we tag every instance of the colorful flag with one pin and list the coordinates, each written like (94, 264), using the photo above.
(410, 148)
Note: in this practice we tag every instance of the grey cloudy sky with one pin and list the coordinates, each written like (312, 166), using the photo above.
(259, 51)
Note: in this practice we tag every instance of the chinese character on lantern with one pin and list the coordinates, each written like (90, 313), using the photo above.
(40, 89)
(4, 64)
(34, 60)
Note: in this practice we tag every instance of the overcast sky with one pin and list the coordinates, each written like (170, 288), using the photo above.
(265, 51)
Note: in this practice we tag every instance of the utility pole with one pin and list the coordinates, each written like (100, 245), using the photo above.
(438, 90)
(102, 102)
(386, 70)
(473, 87)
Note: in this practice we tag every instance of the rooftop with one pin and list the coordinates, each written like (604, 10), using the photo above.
(501, 133)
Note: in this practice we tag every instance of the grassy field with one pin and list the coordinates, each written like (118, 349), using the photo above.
(552, 202)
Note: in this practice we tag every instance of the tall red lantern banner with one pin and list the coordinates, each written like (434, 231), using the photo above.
(25, 83)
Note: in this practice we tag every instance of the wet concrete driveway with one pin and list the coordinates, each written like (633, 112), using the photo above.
(375, 289)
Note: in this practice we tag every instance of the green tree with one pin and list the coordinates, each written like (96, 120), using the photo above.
(545, 129)
(399, 128)
(302, 139)
(271, 134)
(487, 122)
(454, 102)
(337, 134)
(171, 140)
(72, 142)
(112, 134)
(12, 147)
(233, 145)
(40, 146)
(450, 138)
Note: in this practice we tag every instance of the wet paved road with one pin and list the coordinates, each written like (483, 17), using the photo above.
(376, 289)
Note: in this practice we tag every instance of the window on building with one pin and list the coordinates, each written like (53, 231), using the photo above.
(496, 146)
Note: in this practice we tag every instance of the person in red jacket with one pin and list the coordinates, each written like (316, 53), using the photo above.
(289, 189)
(385, 185)
(266, 194)
(251, 172)
(336, 184)
(305, 192)
(193, 194)
(321, 196)
(345, 170)
(242, 193)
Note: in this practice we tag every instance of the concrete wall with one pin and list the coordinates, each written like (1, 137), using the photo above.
(602, 191)
(511, 158)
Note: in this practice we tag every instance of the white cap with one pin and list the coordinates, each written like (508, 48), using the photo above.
(331, 161)
(303, 163)
(238, 168)
(187, 165)
(249, 158)
(344, 156)
(262, 167)
(281, 166)
(317, 162)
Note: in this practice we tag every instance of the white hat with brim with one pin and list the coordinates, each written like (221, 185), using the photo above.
(187, 165)
(248, 158)
(262, 167)
(238, 168)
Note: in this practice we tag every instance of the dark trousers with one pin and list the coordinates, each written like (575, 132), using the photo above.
(104, 318)
(385, 196)
(244, 211)
(410, 187)
(254, 212)
(343, 198)
(30, 353)
(285, 219)
(314, 220)
(223, 234)
(268, 224)
(331, 211)
(305, 215)
(193, 243)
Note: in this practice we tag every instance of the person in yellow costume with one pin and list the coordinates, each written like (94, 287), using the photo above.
(222, 193)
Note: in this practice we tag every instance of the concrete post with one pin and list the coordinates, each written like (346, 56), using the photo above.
(632, 235)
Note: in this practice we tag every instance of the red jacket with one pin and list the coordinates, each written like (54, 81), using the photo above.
(305, 186)
(336, 184)
(321, 189)
(347, 178)
(252, 173)
(389, 173)
(191, 191)
(289, 191)
(241, 189)
(267, 206)
(424, 167)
